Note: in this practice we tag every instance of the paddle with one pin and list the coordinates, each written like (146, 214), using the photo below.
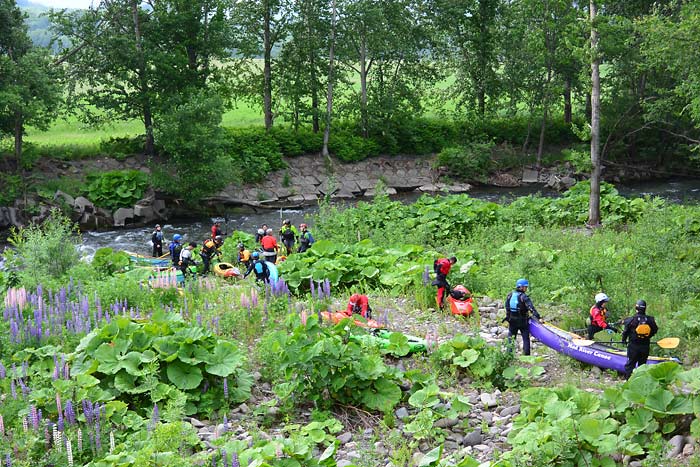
(666, 343)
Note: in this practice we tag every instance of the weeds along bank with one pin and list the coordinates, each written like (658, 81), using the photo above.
(102, 369)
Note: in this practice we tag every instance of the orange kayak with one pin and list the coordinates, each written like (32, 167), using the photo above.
(338, 316)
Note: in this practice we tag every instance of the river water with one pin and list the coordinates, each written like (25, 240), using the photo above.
(138, 239)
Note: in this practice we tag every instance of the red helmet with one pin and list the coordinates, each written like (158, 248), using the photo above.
(302, 226)
(462, 288)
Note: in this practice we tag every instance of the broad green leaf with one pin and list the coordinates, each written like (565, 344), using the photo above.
(184, 376)
(466, 358)
(432, 457)
(225, 359)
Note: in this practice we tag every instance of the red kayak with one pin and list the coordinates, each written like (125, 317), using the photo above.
(338, 316)
(460, 306)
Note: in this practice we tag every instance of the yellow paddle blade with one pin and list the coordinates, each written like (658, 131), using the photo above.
(582, 342)
(668, 342)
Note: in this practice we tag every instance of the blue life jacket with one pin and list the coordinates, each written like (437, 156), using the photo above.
(515, 303)
(260, 268)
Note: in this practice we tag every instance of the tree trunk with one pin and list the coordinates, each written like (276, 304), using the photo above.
(363, 88)
(315, 123)
(588, 106)
(149, 149)
(540, 146)
(329, 97)
(594, 202)
(19, 129)
(267, 68)
(567, 100)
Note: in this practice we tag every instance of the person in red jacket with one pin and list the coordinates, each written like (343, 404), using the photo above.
(359, 304)
(216, 229)
(442, 268)
(269, 246)
(599, 316)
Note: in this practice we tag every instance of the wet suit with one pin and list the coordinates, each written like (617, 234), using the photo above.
(638, 347)
(289, 234)
(157, 239)
(209, 250)
(305, 241)
(518, 307)
(442, 268)
(175, 249)
(262, 272)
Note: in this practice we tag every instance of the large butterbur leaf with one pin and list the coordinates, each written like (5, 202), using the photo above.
(184, 376)
(224, 360)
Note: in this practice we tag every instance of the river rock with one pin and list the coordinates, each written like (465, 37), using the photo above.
(82, 204)
(530, 175)
(65, 197)
(121, 215)
(343, 463)
(446, 422)
(489, 400)
(676, 444)
(401, 413)
(195, 423)
(508, 411)
(473, 438)
(345, 437)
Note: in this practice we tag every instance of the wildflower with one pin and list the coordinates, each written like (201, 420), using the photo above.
(59, 406)
(234, 460)
(25, 424)
(2, 426)
(111, 442)
(57, 438)
(70, 413)
(34, 415)
(8, 461)
(69, 452)
(80, 439)
(154, 417)
(226, 388)
(3, 372)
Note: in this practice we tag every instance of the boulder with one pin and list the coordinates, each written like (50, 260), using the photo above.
(121, 215)
(82, 204)
(9, 217)
(530, 175)
(65, 197)
(145, 212)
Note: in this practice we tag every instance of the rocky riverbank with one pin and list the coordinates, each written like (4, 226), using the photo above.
(481, 434)
(305, 180)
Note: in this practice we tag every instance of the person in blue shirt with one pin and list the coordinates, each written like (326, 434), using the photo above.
(305, 238)
(518, 309)
(262, 272)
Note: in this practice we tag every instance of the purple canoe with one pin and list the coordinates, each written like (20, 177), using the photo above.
(600, 355)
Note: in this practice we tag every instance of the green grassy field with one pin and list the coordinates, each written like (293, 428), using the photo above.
(71, 131)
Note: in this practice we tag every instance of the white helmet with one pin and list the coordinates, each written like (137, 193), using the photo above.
(261, 232)
(601, 297)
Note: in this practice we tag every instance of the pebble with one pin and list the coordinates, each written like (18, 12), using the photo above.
(487, 417)
(474, 438)
(345, 437)
(343, 463)
(446, 422)
(489, 400)
(401, 413)
(512, 410)
(195, 423)
(676, 444)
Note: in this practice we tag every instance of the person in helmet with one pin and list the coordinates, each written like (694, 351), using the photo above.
(187, 259)
(269, 246)
(639, 329)
(175, 248)
(243, 256)
(289, 236)
(518, 308)
(305, 238)
(599, 315)
(262, 272)
(260, 233)
(216, 229)
(210, 248)
(442, 268)
(157, 240)
(359, 304)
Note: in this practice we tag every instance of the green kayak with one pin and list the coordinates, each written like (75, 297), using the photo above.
(393, 343)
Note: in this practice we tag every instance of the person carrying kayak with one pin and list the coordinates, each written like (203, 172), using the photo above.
(599, 314)
(359, 304)
(639, 329)
(518, 307)
(157, 240)
(305, 238)
(216, 229)
(175, 248)
(289, 235)
(262, 272)
(243, 255)
(210, 248)
(187, 259)
(269, 246)
(442, 268)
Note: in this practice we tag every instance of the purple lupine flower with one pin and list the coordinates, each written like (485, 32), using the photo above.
(59, 424)
(59, 406)
(254, 297)
(225, 423)
(234, 460)
(98, 439)
(199, 319)
(70, 413)
(311, 285)
(224, 457)
(3, 371)
(155, 417)
(226, 388)
(8, 460)
(13, 389)
(327, 287)
(34, 417)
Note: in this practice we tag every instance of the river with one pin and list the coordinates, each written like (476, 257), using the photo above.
(138, 239)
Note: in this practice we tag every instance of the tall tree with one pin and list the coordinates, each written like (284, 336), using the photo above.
(30, 86)
(331, 79)
(259, 26)
(594, 201)
(127, 57)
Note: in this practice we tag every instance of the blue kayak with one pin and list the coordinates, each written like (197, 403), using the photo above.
(274, 273)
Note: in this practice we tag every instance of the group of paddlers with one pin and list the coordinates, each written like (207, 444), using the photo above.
(637, 330)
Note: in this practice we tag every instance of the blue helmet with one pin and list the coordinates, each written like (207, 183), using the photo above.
(177, 237)
(522, 283)
(255, 255)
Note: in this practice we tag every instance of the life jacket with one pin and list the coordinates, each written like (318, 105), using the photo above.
(515, 305)
(306, 238)
(175, 249)
(261, 269)
(287, 233)
(244, 256)
(642, 329)
(268, 243)
(442, 266)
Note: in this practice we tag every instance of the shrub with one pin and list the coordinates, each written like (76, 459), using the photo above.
(106, 261)
(116, 189)
(11, 188)
(46, 250)
(473, 161)
(119, 147)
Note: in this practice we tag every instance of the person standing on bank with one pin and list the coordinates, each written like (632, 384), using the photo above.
(518, 309)
(157, 239)
(639, 329)
(442, 268)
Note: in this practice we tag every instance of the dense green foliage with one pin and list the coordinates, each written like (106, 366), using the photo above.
(116, 189)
